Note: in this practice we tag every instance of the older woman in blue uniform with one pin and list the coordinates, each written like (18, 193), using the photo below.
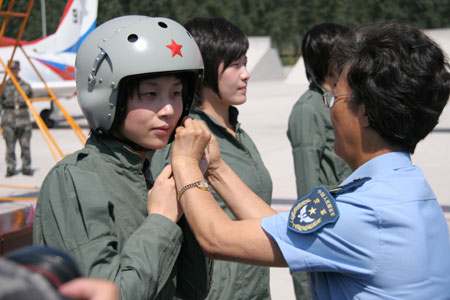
(382, 233)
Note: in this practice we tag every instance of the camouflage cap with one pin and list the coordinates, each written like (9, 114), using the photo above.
(14, 64)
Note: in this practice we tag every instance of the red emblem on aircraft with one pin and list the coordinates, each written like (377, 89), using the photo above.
(176, 49)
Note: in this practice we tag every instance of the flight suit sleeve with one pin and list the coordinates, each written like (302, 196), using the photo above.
(306, 132)
(81, 225)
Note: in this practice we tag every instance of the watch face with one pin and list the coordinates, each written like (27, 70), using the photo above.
(203, 185)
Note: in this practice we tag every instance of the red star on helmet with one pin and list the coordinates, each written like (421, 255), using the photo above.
(176, 49)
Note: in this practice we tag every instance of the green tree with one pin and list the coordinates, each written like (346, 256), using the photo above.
(33, 29)
(285, 21)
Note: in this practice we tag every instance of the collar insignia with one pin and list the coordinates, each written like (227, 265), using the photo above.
(176, 49)
(313, 211)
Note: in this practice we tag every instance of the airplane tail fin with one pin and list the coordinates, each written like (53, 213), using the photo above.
(54, 55)
(78, 19)
(89, 20)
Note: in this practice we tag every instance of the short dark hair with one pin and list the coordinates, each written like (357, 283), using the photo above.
(219, 41)
(400, 75)
(316, 47)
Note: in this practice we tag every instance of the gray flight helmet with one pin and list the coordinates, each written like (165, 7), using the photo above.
(128, 46)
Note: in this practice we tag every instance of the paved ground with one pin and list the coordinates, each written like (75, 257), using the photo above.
(264, 117)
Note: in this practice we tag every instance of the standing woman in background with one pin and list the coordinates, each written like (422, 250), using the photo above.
(310, 130)
(224, 47)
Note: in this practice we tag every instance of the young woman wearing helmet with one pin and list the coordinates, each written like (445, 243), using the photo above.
(224, 47)
(136, 79)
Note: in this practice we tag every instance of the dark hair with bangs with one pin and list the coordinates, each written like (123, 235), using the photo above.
(219, 41)
(316, 47)
(400, 75)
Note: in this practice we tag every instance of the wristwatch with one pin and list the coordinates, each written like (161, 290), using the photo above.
(202, 184)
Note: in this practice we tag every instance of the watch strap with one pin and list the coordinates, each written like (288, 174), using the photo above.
(202, 184)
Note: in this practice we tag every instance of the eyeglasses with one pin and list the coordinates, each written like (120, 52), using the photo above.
(329, 98)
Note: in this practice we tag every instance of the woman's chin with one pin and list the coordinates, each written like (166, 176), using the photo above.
(157, 144)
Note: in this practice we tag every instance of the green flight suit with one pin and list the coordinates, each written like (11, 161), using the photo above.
(312, 139)
(233, 280)
(93, 205)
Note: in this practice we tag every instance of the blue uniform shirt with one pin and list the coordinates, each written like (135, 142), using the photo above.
(391, 240)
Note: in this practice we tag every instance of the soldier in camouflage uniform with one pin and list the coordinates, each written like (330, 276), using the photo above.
(16, 122)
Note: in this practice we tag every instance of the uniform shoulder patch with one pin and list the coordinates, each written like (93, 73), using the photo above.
(319, 207)
(313, 211)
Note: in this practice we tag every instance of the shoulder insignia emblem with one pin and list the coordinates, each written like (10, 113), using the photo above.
(313, 211)
(319, 207)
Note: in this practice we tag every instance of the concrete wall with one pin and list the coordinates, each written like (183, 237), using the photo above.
(441, 37)
(297, 75)
(264, 62)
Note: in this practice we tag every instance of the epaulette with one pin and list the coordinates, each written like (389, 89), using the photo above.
(349, 187)
(319, 207)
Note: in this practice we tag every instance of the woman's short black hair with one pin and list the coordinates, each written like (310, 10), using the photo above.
(400, 75)
(219, 41)
(316, 47)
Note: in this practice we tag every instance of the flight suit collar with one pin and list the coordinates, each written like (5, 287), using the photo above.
(116, 151)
